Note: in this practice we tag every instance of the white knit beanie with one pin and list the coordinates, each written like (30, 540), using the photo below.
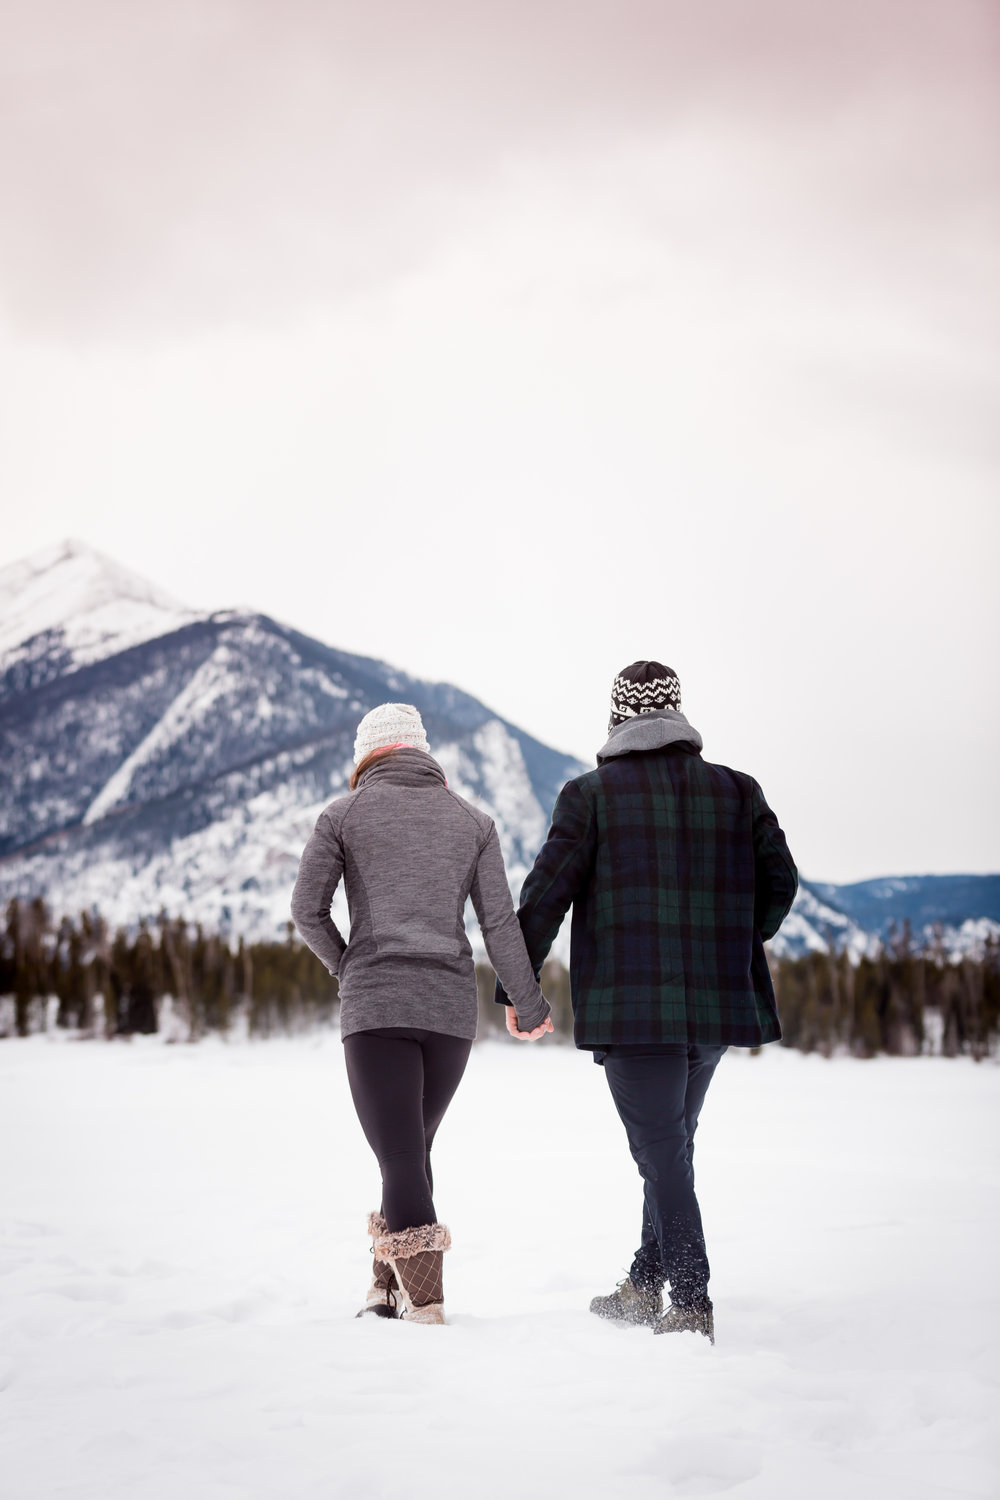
(390, 724)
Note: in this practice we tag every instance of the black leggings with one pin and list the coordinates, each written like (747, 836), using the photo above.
(402, 1081)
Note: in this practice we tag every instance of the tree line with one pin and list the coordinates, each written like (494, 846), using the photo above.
(901, 1002)
(170, 976)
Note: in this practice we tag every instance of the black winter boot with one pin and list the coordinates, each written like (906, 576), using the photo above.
(629, 1304)
(687, 1320)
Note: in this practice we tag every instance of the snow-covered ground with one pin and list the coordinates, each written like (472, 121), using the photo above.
(184, 1248)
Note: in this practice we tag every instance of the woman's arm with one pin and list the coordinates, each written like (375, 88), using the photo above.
(320, 869)
(502, 936)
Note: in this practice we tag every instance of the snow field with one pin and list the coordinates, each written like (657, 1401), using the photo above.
(183, 1250)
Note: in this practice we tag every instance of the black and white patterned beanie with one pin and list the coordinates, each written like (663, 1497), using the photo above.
(643, 688)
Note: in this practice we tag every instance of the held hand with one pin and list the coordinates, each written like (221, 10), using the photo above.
(526, 1036)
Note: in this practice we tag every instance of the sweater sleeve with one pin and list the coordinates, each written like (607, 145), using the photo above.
(320, 869)
(560, 873)
(775, 876)
(502, 935)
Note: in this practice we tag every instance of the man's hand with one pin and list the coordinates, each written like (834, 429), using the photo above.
(526, 1036)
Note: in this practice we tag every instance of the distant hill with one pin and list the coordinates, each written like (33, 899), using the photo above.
(924, 901)
(954, 912)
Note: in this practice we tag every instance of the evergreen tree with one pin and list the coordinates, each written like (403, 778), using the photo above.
(70, 978)
(866, 1026)
(119, 981)
(140, 1010)
(178, 974)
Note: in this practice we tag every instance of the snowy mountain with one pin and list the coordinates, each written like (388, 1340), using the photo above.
(67, 605)
(956, 912)
(157, 758)
(819, 926)
(924, 901)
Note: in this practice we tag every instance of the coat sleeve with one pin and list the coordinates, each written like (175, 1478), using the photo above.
(775, 876)
(320, 869)
(502, 935)
(560, 873)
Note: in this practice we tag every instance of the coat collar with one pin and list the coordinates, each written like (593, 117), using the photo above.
(649, 731)
(406, 767)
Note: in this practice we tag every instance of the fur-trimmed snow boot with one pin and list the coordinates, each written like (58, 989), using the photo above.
(687, 1320)
(383, 1299)
(416, 1256)
(629, 1304)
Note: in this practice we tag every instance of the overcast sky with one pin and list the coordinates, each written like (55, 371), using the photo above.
(510, 342)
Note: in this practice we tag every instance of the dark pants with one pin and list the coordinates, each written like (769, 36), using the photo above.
(659, 1097)
(402, 1081)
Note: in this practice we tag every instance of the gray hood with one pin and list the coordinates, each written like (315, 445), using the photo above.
(649, 731)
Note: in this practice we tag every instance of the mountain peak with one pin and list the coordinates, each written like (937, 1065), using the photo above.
(182, 768)
(88, 602)
(76, 567)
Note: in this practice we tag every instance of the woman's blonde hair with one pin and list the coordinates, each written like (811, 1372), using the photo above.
(369, 760)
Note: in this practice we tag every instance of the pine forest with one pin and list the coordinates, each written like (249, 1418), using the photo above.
(173, 978)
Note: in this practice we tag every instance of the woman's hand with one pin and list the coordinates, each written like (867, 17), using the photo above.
(526, 1036)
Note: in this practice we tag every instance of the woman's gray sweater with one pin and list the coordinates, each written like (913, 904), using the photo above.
(410, 852)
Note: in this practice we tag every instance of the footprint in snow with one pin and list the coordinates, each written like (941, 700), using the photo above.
(704, 1465)
(89, 1291)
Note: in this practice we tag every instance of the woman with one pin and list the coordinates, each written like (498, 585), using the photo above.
(410, 852)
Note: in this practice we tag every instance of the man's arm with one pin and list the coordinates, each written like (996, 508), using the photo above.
(775, 877)
(558, 875)
(320, 869)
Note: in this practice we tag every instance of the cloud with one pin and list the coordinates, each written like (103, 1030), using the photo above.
(482, 337)
(173, 166)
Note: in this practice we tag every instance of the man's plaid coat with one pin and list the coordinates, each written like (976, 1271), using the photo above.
(677, 871)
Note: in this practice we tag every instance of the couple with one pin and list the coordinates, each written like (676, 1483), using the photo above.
(677, 872)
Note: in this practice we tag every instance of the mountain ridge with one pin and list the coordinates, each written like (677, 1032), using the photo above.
(182, 767)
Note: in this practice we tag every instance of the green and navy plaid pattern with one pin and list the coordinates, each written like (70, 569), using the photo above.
(677, 872)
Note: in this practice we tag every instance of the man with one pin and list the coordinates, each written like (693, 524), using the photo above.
(677, 872)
